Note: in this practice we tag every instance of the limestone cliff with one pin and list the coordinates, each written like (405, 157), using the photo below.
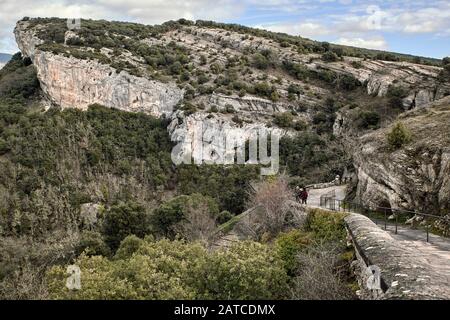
(226, 79)
(74, 83)
(416, 176)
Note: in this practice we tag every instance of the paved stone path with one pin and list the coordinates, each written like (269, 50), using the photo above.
(436, 252)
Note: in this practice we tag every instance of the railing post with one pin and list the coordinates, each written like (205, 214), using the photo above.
(428, 236)
(396, 222)
(385, 219)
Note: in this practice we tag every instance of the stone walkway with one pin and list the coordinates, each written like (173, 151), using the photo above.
(436, 252)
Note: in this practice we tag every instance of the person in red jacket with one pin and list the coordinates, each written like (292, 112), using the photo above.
(304, 196)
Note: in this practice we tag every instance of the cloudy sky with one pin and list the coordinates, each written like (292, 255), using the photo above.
(409, 26)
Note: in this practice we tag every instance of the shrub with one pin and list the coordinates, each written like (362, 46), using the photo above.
(368, 120)
(259, 61)
(284, 120)
(271, 197)
(396, 95)
(229, 108)
(300, 125)
(326, 227)
(288, 245)
(128, 246)
(246, 270)
(176, 270)
(18, 80)
(92, 243)
(398, 136)
(348, 82)
(122, 220)
(224, 216)
(330, 56)
(178, 215)
(294, 89)
(357, 64)
(321, 275)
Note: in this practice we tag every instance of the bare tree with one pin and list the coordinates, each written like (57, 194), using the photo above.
(273, 199)
(198, 224)
(319, 276)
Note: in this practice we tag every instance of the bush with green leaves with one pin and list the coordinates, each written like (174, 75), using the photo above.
(398, 136)
(330, 56)
(326, 227)
(259, 61)
(169, 214)
(176, 270)
(348, 82)
(288, 245)
(311, 156)
(368, 119)
(93, 244)
(284, 120)
(396, 94)
(18, 80)
(122, 220)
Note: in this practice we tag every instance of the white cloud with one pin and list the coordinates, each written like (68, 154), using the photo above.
(376, 43)
(143, 11)
(357, 21)
(307, 29)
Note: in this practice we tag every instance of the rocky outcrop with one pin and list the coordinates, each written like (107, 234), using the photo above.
(416, 176)
(212, 138)
(73, 83)
(399, 271)
(420, 81)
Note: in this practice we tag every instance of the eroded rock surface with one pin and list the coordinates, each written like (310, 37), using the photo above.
(74, 83)
(406, 273)
(416, 176)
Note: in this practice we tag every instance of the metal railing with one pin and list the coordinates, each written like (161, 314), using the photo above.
(380, 215)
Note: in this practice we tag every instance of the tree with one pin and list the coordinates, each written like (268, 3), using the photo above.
(368, 119)
(271, 198)
(330, 56)
(122, 220)
(398, 136)
(396, 95)
(259, 61)
(190, 216)
(284, 120)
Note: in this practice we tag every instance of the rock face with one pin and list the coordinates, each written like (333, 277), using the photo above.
(73, 83)
(212, 138)
(416, 176)
(419, 80)
(70, 82)
(238, 99)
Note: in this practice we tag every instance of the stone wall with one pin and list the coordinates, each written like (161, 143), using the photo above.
(404, 272)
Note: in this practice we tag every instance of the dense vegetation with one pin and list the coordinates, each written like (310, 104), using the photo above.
(54, 163)
(98, 188)
(312, 157)
(149, 269)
